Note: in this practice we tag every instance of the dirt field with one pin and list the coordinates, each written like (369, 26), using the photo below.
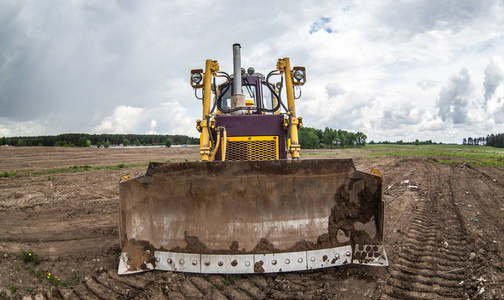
(444, 232)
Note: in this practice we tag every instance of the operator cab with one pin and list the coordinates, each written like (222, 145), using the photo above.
(258, 97)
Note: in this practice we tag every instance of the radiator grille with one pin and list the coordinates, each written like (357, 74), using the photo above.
(252, 148)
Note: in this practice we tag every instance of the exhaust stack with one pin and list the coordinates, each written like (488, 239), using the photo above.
(237, 83)
(238, 98)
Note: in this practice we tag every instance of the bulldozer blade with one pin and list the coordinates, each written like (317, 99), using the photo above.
(251, 217)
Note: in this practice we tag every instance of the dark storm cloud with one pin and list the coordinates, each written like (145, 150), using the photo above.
(454, 98)
(69, 64)
(51, 63)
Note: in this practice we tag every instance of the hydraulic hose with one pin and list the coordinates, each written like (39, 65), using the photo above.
(224, 145)
(214, 152)
(209, 130)
(279, 92)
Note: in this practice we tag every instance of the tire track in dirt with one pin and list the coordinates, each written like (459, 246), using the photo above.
(484, 222)
(432, 259)
(108, 285)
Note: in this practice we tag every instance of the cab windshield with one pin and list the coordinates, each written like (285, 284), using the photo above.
(249, 91)
(256, 100)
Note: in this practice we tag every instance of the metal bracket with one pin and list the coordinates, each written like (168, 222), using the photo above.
(372, 255)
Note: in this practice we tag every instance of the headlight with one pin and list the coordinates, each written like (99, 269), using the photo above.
(243, 71)
(299, 75)
(250, 71)
(196, 77)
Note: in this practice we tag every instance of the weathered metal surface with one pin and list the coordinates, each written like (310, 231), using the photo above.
(280, 262)
(249, 207)
(227, 263)
(325, 258)
(258, 263)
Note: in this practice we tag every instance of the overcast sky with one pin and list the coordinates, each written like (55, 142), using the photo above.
(395, 70)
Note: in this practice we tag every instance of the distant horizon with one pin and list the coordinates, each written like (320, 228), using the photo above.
(156, 134)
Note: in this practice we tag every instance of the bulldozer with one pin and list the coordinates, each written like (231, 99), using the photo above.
(250, 205)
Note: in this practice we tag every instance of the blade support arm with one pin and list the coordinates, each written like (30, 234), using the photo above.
(211, 69)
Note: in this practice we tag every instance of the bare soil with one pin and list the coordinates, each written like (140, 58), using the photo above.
(444, 233)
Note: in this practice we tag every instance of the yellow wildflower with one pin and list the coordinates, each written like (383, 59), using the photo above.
(29, 254)
(49, 274)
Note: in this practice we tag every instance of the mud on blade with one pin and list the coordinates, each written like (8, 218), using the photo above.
(251, 217)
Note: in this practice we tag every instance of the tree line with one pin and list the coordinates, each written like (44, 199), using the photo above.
(312, 138)
(401, 142)
(99, 140)
(309, 138)
(493, 140)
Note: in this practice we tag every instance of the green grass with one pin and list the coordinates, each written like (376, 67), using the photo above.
(31, 259)
(85, 168)
(72, 169)
(29, 256)
(446, 154)
(8, 174)
(13, 288)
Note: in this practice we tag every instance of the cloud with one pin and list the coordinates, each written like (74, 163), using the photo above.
(427, 84)
(334, 89)
(400, 115)
(25, 128)
(169, 118)
(499, 112)
(454, 98)
(494, 76)
(153, 124)
(415, 17)
(125, 119)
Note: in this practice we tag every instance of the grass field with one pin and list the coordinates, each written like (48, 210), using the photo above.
(478, 155)
(440, 153)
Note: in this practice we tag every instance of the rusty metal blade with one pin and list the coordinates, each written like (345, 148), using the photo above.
(248, 207)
